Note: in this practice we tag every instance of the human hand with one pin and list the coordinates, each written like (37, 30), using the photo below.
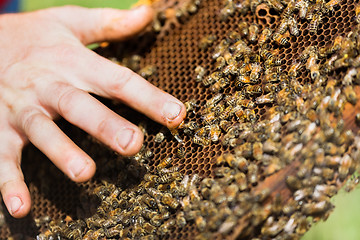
(47, 71)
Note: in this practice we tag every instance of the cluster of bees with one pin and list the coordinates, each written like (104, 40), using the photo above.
(303, 128)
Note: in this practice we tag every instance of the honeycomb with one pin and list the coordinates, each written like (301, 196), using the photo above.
(175, 52)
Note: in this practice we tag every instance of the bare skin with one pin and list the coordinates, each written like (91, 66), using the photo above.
(46, 71)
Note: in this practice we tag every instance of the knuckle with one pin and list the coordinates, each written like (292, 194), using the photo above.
(67, 94)
(29, 118)
(119, 79)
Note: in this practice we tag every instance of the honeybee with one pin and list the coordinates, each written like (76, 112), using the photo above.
(350, 94)
(314, 23)
(166, 226)
(219, 85)
(191, 105)
(302, 5)
(200, 223)
(283, 26)
(228, 10)
(164, 163)
(255, 72)
(293, 26)
(220, 63)
(294, 69)
(168, 200)
(206, 41)
(313, 66)
(258, 151)
(264, 36)
(253, 90)
(345, 61)
(220, 48)
(200, 73)
(242, 80)
(281, 39)
(346, 164)
(147, 71)
(159, 137)
(214, 133)
(214, 100)
(252, 174)
(275, 4)
(357, 13)
(351, 184)
(241, 180)
(316, 208)
(331, 4)
(244, 29)
(212, 78)
(253, 32)
(307, 51)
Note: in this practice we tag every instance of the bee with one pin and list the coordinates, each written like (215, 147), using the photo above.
(302, 5)
(214, 100)
(351, 184)
(228, 10)
(290, 8)
(345, 61)
(180, 219)
(234, 36)
(346, 164)
(350, 94)
(275, 4)
(245, 69)
(208, 119)
(357, 13)
(293, 182)
(225, 125)
(313, 66)
(200, 73)
(253, 32)
(316, 208)
(281, 39)
(207, 41)
(244, 29)
(307, 51)
(148, 71)
(191, 105)
(254, 4)
(283, 26)
(200, 223)
(164, 163)
(253, 90)
(255, 72)
(271, 88)
(294, 69)
(166, 226)
(242, 80)
(212, 78)
(264, 36)
(303, 193)
(220, 48)
(168, 200)
(328, 66)
(314, 23)
(220, 63)
(159, 137)
(293, 26)
(331, 4)
(219, 85)
(252, 174)
(258, 151)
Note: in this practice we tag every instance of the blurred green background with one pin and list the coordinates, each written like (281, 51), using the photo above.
(343, 223)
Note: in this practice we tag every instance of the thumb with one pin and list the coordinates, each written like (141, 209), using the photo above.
(101, 24)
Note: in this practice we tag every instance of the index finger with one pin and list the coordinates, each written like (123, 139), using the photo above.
(110, 80)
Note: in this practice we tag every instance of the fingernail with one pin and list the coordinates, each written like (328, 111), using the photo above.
(171, 110)
(15, 204)
(125, 137)
(77, 166)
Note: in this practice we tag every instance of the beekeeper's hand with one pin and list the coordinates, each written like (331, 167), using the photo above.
(46, 71)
